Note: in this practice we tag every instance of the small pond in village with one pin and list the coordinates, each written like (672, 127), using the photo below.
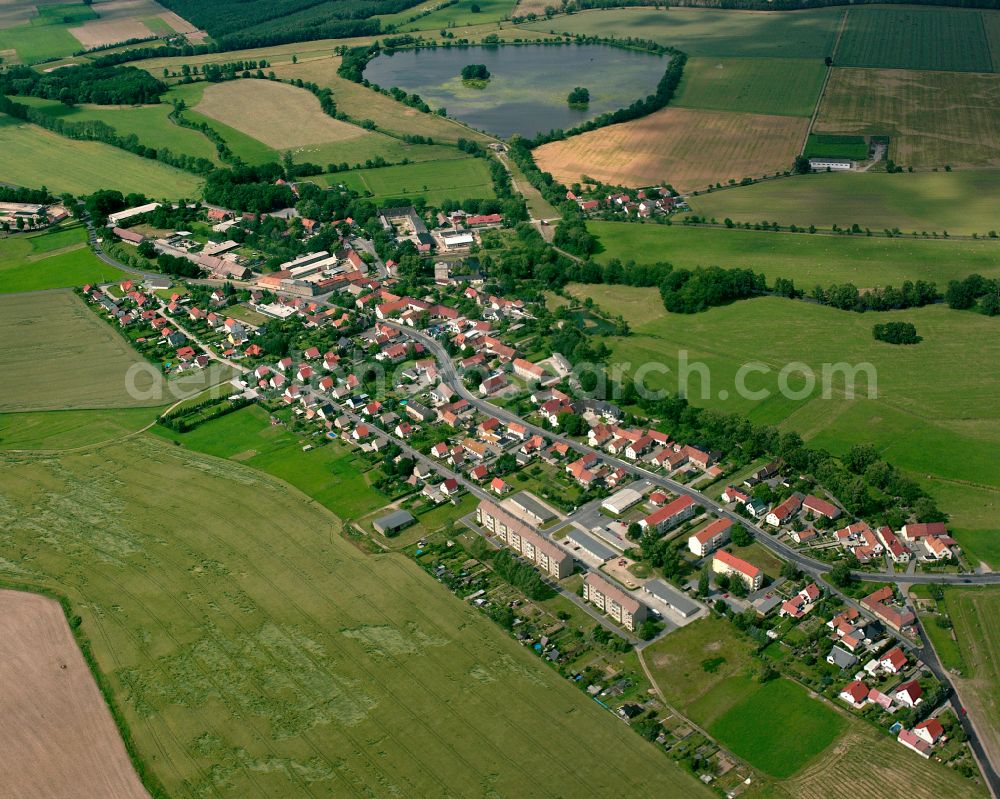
(528, 84)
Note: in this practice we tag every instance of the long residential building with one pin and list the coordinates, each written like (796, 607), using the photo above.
(670, 515)
(524, 539)
(726, 563)
(624, 609)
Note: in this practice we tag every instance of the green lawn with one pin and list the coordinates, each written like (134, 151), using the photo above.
(830, 145)
(753, 85)
(935, 414)
(33, 156)
(954, 202)
(149, 123)
(332, 475)
(56, 259)
(253, 651)
(808, 260)
(455, 179)
(779, 728)
(916, 38)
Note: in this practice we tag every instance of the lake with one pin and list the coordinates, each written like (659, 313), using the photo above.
(527, 91)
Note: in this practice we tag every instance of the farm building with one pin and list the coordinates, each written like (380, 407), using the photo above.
(831, 164)
(392, 523)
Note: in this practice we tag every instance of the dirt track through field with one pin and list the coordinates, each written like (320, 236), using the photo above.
(58, 738)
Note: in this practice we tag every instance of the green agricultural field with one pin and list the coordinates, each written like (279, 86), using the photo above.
(975, 613)
(47, 35)
(253, 651)
(755, 85)
(711, 32)
(456, 179)
(149, 123)
(956, 202)
(935, 413)
(56, 259)
(831, 145)
(56, 353)
(451, 16)
(807, 259)
(806, 729)
(62, 430)
(33, 156)
(916, 38)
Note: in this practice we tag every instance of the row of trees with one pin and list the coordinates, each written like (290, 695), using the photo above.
(84, 83)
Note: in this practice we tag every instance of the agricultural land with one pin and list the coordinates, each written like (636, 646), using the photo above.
(259, 647)
(75, 360)
(932, 119)
(74, 748)
(454, 179)
(690, 149)
(34, 156)
(962, 203)
(808, 260)
(50, 260)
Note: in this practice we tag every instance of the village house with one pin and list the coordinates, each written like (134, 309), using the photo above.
(820, 507)
(784, 512)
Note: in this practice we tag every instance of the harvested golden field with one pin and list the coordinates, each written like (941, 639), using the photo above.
(932, 118)
(59, 739)
(55, 353)
(279, 115)
(686, 148)
(360, 102)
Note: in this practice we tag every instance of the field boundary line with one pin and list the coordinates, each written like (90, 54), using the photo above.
(826, 80)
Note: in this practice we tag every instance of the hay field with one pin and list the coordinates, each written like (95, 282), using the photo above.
(33, 156)
(754, 85)
(457, 179)
(916, 38)
(58, 737)
(255, 652)
(711, 32)
(956, 202)
(933, 118)
(281, 116)
(121, 20)
(56, 353)
(686, 148)
(285, 117)
(362, 103)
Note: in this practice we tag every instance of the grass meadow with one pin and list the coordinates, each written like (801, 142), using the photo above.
(452, 16)
(934, 416)
(286, 118)
(687, 148)
(712, 32)
(918, 112)
(149, 123)
(55, 353)
(932, 202)
(362, 103)
(255, 652)
(47, 35)
(33, 156)
(916, 38)
(809, 260)
(753, 85)
(457, 179)
(805, 730)
(49, 260)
